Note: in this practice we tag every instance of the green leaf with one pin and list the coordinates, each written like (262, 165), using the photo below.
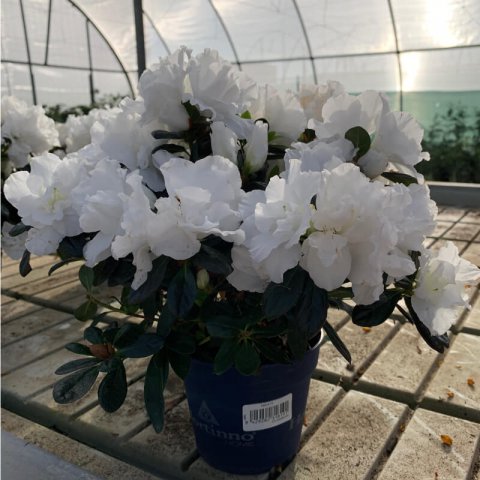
(271, 330)
(438, 342)
(153, 283)
(72, 247)
(86, 276)
(93, 335)
(182, 292)
(165, 135)
(113, 389)
(225, 356)
(222, 327)
(274, 171)
(279, 298)
(103, 270)
(18, 229)
(155, 381)
(182, 343)
(58, 265)
(246, 114)
(127, 334)
(24, 267)
(75, 365)
(313, 310)
(360, 139)
(164, 325)
(85, 311)
(247, 359)
(398, 177)
(180, 363)
(75, 386)
(297, 341)
(271, 352)
(337, 342)
(126, 305)
(146, 344)
(78, 348)
(377, 312)
(122, 274)
(213, 260)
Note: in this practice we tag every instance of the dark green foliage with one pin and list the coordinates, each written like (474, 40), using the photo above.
(453, 142)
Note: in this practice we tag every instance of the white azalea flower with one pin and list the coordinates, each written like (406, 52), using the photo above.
(75, 132)
(319, 155)
(313, 97)
(136, 217)
(122, 137)
(283, 112)
(246, 275)
(219, 90)
(440, 290)
(98, 201)
(275, 219)
(43, 200)
(162, 87)
(256, 149)
(13, 247)
(29, 130)
(206, 194)
(396, 136)
(224, 141)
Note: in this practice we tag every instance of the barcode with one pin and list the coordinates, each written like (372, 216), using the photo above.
(260, 416)
(274, 412)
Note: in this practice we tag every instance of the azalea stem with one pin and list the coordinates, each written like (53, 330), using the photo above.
(112, 309)
(405, 313)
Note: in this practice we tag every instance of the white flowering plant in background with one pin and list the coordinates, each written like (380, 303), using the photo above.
(232, 216)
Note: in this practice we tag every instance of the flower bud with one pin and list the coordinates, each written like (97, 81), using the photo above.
(224, 142)
(203, 279)
(257, 147)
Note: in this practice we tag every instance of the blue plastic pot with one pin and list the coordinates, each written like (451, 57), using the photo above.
(249, 424)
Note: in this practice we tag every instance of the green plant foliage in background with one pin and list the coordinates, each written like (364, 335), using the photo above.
(454, 144)
(60, 112)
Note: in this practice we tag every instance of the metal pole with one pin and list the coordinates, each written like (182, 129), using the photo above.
(29, 58)
(139, 35)
(90, 64)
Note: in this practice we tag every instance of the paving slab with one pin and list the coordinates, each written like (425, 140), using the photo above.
(472, 254)
(460, 367)
(421, 455)
(29, 349)
(12, 267)
(96, 423)
(441, 228)
(38, 279)
(472, 321)
(472, 216)
(87, 458)
(350, 442)
(168, 452)
(462, 231)
(363, 344)
(402, 366)
(451, 214)
(31, 324)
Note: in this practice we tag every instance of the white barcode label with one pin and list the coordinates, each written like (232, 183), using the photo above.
(260, 416)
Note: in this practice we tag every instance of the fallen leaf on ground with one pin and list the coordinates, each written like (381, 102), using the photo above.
(366, 329)
(446, 439)
(450, 394)
(470, 381)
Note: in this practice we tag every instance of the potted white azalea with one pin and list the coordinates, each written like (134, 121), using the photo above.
(233, 216)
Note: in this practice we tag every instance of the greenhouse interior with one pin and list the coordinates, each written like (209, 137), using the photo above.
(196, 193)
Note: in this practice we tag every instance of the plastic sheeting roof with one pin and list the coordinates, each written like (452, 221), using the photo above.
(74, 49)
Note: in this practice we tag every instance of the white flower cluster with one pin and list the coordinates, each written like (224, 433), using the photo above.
(326, 208)
(28, 130)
